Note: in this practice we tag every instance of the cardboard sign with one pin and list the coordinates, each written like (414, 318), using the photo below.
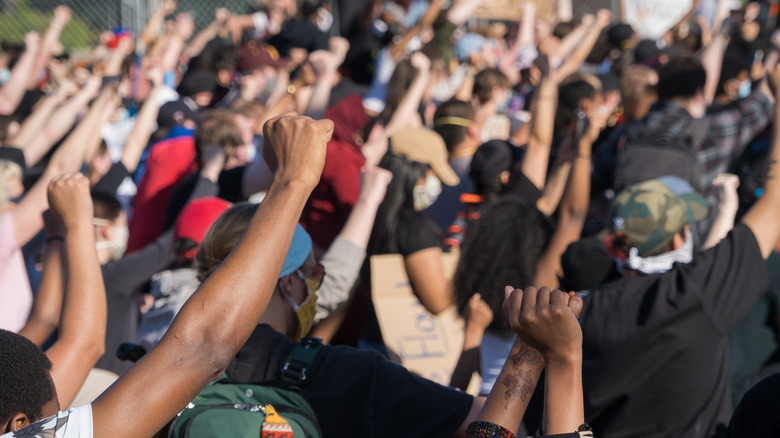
(512, 10)
(426, 344)
(653, 18)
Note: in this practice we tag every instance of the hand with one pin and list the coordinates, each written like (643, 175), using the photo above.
(376, 146)
(32, 40)
(221, 16)
(297, 57)
(65, 89)
(125, 46)
(168, 7)
(478, 314)
(597, 121)
(92, 87)
(323, 62)
(339, 47)
(588, 20)
(213, 158)
(373, 184)
(185, 25)
(155, 76)
(546, 320)
(57, 70)
(421, 62)
(62, 15)
(726, 191)
(294, 148)
(603, 18)
(70, 201)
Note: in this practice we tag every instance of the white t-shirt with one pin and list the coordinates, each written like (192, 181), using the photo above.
(74, 423)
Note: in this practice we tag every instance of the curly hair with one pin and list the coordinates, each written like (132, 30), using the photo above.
(24, 378)
(501, 248)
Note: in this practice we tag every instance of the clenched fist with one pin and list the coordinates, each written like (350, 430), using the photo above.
(294, 147)
(69, 199)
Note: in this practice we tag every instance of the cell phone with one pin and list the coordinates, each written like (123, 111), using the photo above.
(758, 57)
(582, 124)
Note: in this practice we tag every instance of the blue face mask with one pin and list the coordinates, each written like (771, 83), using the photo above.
(744, 88)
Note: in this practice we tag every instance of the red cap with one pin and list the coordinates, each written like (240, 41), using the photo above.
(196, 219)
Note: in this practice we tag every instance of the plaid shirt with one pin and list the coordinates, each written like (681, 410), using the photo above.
(729, 131)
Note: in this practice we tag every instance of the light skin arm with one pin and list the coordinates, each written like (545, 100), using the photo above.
(174, 43)
(51, 39)
(537, 154)
(405, 116)
(34, 124)
(397, 49)
(712, 61)
(196, 349)
(155, 22)
(727, 205)
(357, 231)
(478, 318)
(573, 38)
(221, 16)
(61, 121)
(578, 56)
(326, 64)
(12, 92)
(574, 206)
(426, 274)
(82, 333)
(762, 217)
(147, 116)
(462, 10)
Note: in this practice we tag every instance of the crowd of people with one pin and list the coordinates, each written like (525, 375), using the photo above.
(189, 215)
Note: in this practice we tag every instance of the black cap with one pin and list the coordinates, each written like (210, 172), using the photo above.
(175, 112)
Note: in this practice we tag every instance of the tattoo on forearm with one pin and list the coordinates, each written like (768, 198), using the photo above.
(517, 385)
(526, 355)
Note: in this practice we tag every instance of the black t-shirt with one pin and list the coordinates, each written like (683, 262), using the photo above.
(654, 346)
(416, 232)
(357, 392)
(758, 414)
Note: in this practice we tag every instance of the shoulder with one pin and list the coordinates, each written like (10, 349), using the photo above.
(73, 423)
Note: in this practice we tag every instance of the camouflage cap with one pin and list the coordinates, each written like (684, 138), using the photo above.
(651, 213)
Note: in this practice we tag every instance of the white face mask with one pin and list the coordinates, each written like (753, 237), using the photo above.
(426, 194)
(118, 244)
(662, 262)
(745, 88)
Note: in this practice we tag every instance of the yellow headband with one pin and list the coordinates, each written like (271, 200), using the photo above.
(458, 121)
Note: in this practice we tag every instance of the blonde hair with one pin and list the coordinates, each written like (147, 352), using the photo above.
(8, 171)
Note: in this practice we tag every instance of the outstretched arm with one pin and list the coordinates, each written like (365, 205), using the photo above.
(13, 90)
(82, 333)
(537, 154)
(762, 217)
(196, 349)
(51, 40)
(574, 206)
(405, 116)
(578, 56)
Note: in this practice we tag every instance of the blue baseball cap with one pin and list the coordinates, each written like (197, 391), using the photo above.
(298, 252)
(468, 44)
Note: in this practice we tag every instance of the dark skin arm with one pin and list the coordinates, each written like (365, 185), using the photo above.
(222, 313)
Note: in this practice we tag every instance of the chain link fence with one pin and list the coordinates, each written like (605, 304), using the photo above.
(91, 17)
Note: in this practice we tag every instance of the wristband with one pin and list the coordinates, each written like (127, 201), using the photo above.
(54, 236)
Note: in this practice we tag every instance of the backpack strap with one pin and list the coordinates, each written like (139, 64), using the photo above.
(299, 361)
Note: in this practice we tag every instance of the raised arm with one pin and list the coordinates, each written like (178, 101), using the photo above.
(220, 316)
(51, 40)
(144, 124)
(326, 64)
(405, 116)
(12, 92)
(61, 121)
(762, 217)
(221, 16)
(574, 61)
(537, 154)
(82, 333)
(45, 314)
(546, 321)
(34, 123)
(726, 208)
(397, 48)
(574, 206)
(27, 213)
(155, 22)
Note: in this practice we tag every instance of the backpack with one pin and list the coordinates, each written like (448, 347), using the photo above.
(651, 148)
(272, 409)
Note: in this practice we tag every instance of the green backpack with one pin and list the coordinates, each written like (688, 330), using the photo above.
(225, 409)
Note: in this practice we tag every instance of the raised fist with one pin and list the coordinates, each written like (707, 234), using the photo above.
(294, 147)
(69, 199)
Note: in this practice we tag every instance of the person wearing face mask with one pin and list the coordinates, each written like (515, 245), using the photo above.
(417, 158)
(125, 275)
(376, 391)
